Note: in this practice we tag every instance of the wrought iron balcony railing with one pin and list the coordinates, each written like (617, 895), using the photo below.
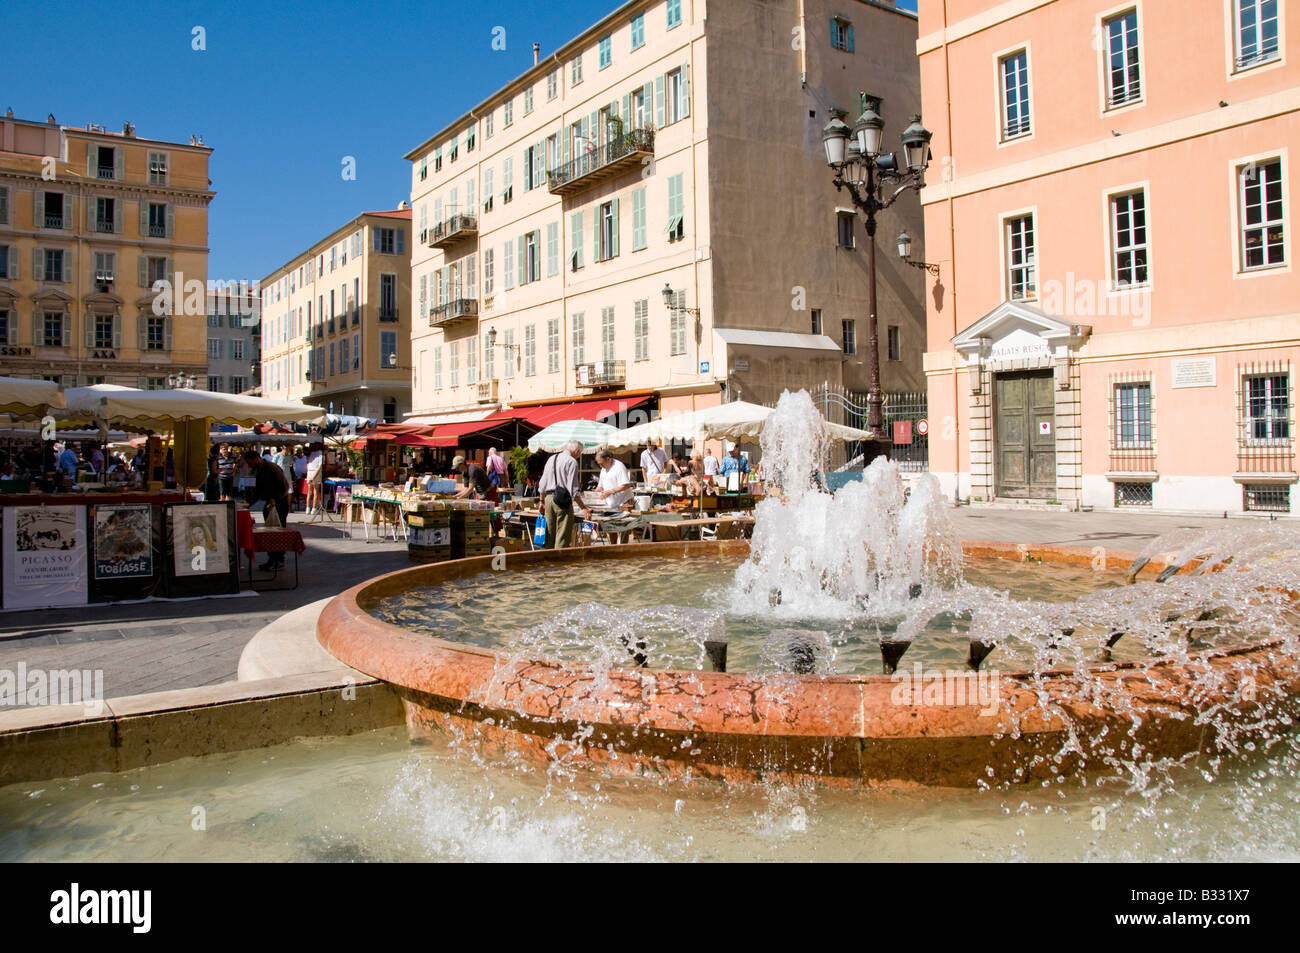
(600, 374)
(453, 312)
(601, 162)
(454, 229)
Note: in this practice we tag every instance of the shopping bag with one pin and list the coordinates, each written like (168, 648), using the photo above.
(539, 532)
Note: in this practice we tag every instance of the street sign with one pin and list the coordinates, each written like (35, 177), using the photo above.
(902, 431)
(741, 365)
(704, 367)
(923, 427)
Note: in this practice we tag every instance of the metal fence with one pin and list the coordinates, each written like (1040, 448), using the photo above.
(842, 406)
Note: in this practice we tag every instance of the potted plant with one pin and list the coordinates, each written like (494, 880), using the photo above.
(517, 458)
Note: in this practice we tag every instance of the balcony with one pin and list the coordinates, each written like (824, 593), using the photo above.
(453, 230)
(157, 231)
(487, 392)
(104, 172)
(103, 225)
(622, 153)
(388, 314)
(53, 221)
(453, 312)
(600, 374)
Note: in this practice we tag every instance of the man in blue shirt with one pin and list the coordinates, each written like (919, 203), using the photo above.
(733, 462)
(68, 461)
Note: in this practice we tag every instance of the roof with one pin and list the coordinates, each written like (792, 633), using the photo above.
(785, 339)
(392, 213)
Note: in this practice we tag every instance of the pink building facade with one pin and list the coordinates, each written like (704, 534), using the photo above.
(1116, 320)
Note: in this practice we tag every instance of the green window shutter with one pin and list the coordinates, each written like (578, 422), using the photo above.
(141, 332)
(38, 327)
(117, 331)
(374, 238)
(91, 203)
(167, 333)
(142, 271)
(566, 145)
(117, 217)
(597, 253)
(68, 220)
(575, 231)
(144, 218)
(89, 322)
(684, 107)
(648, 101)
(38, 264)
(537, 261)
(170, 270)
(659, 101)
(522, 265)
(119, 164)
(171, 221)
(850, 38)
(835, 33)
(638, 219)
(67, 329)
(614, 230)
(38, 209)
(90, 161)
(627, 113)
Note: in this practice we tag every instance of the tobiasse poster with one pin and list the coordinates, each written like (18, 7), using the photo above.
(44, 556)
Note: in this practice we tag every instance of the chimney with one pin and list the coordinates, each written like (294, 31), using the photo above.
(537, 53)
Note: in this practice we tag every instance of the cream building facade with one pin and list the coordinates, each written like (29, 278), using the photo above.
(1114, 213)
(336, 320)
(673, 144)
(90, 221)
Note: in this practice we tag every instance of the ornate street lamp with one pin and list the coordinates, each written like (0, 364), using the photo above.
(905, 253)
(867, 173)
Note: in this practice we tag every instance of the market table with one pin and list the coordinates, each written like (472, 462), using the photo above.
(275, 539)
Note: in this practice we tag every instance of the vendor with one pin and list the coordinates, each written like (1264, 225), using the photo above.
(653, 461)
(733, 462)
(615, 486)
(476, 480)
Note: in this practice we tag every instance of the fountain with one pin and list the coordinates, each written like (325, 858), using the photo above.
(853, 642)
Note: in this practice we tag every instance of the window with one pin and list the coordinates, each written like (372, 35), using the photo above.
(238, 384)
(507, 180)
(552, 84)
(1020, 258)
(4, 263)
(1267, 408)
(489, 275)
(608, 230)
(1124, 76)
(530, 351)
(214, 349)
(1128, 221)
(487, 190)
(453, 150)
(606, 52)
(334, 257)
(437, 159)
(842, 34)
(893, 344)
(105, 215)
(674, 9)
(388, 241)
(488, 125)
(816, 320)
(332, 355)
(641, 329)
(553, 346)
(637, 109)
(1133, 416)
(638, 31)
(437, 368)
(53, 210)
(844, 229)
(849, 332)
(638, 220)
(214, 320)
(511, 355)
(106, 162)
(471, 361)
(356, 301)
(470, 139)
(508, 112)
(607, 334)
(579, 340)
(215, 384)
(105, 271)
(676, 227)
(388, 297)
(54, 264)
(530, 264)
(1261, 215)
(52, 329)
(1266, 498)
(1257, 36)
(1015, 95)
(489, 360)
(530, 167)
(676, 102)
(157, 168)
(1133, 493)
(4, 205)
(575, 70)
(552, 249)
(508, 266)
(677, 324)
(388, 349)
(528, 100)
(236, 350)
(424, 168)
(155, 333)
(155, 271)
(356, 351)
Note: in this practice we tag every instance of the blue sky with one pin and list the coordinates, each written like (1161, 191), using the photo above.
(282, 93)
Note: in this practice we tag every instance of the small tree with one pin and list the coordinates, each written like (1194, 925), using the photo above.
(518, 458)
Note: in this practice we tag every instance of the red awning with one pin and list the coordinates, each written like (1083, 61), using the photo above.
(539, 417)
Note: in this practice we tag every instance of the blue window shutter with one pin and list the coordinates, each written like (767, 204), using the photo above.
(374, 235)
(659, 101)
(850, 38)
(835, 34)
(401, 241)
(684, 107)
(522, 264)
(614, 231)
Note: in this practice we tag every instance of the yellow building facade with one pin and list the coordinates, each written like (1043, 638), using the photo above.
(90, 223)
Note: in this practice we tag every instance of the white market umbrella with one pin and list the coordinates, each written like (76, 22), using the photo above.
(589, 433)
(152, 408)
(23, 397)
(738, 421)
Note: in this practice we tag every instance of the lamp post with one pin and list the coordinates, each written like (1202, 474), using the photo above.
(507, 349)
(874, 181)
(905, 253)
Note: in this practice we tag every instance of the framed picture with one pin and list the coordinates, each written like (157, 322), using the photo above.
(123, 541)
(44, 556)
(200, 540)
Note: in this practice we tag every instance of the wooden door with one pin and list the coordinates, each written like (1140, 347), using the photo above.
(1024, 407)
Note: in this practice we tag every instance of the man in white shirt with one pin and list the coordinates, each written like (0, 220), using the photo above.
(710, 465)
(653, 462)
(315, 479)
(615, 484)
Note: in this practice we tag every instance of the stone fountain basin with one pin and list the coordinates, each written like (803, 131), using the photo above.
(844, 730)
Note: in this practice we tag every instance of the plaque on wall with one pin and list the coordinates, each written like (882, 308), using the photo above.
(1193, 372)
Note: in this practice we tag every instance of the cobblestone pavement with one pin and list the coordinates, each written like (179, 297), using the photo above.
(158, 646)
